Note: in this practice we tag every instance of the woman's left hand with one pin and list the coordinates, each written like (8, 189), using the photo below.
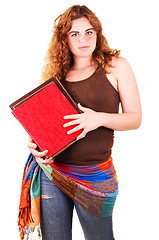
(88, 120)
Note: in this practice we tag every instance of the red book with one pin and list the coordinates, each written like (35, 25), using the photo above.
(41, 113)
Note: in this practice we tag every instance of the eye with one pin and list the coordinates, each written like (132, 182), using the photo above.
(74, 34)
(89, 33)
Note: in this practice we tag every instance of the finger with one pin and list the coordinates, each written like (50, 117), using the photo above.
(45, 161)
(84, 109)
(31, 145)
(75, 129)
(74, 116)
(42, 154)
(51, 160)
(30, 139)
(38, 154)
(82, 135)
(71, 123)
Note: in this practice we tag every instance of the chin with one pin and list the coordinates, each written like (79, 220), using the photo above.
(84, 54)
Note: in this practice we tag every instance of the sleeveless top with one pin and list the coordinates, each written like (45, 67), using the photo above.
(97, 93)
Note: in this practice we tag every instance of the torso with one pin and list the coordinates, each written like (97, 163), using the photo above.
(98, 93)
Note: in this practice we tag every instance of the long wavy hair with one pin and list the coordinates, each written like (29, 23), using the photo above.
(59, 59)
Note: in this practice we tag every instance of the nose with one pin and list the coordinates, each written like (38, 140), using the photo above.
(82, 39)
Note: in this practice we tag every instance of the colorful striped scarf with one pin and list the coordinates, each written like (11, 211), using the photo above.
(94, 187)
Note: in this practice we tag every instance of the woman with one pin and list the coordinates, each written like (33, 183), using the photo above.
(97, 78)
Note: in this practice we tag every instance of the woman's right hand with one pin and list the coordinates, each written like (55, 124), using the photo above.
(37, 154)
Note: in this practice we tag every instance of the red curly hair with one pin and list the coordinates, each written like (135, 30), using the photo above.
(59, 58)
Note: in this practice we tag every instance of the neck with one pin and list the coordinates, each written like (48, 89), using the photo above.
(81, 63)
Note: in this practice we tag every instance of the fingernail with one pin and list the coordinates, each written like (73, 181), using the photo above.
(81, 137)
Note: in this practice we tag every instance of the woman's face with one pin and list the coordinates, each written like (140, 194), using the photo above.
(82, 38)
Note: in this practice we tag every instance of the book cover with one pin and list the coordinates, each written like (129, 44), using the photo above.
(41, 113)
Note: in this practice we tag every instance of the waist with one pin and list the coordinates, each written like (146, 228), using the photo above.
(97, 172)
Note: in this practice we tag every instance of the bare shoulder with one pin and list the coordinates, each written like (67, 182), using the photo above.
(120, 62)
(122, 69)
(117, 71)
(119, 65)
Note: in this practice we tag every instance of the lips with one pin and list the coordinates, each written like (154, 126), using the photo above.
(83, 47)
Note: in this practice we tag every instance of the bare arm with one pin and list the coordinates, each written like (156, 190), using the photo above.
(131, 115)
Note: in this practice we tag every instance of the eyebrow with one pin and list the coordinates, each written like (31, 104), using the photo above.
(78, 31)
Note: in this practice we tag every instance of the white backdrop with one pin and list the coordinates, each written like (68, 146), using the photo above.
(132, 26)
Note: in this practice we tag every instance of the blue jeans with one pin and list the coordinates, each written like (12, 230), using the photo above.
(56, 216)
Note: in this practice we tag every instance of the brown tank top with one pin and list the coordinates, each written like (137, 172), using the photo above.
(95, 92)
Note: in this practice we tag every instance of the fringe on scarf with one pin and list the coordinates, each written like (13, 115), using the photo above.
(32, 233)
